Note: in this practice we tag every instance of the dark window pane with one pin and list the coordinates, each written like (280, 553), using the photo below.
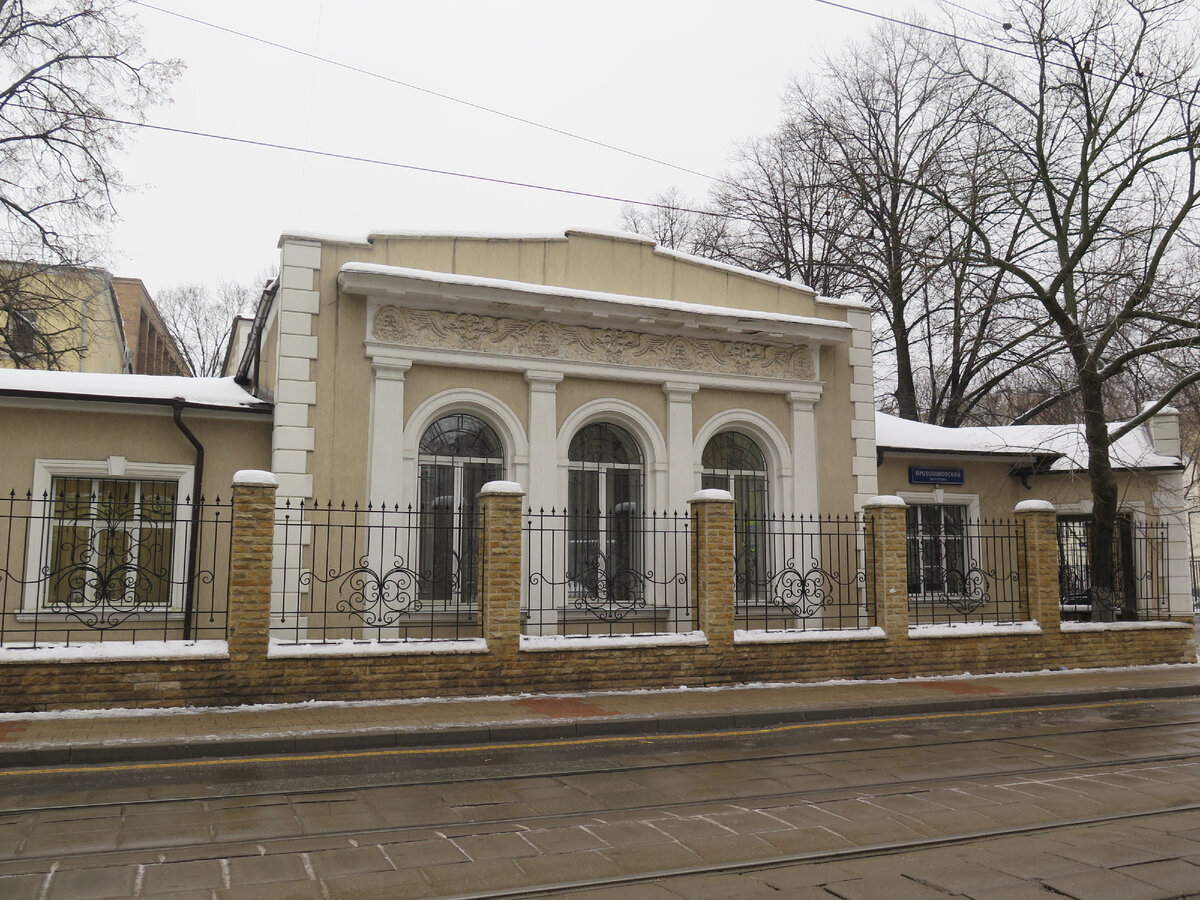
(461, 435)
(603, 442)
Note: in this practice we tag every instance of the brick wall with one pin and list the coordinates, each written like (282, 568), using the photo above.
(249, 675)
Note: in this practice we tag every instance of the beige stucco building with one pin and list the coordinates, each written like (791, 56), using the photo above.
(368, 344)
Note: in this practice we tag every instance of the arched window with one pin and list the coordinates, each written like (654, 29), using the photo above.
(459, 454)
(733, 462)
(605, 486)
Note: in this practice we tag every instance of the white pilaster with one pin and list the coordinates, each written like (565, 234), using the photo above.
(295, 388)
(862, 403)
(385, 469)
(292, 436)
(806, 498)
(681, 475)
(543, 437)
(1171, 504)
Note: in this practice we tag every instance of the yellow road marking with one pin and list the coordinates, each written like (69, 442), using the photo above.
(577, 742)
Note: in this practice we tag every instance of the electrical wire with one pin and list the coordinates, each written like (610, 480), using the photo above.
(349, 157)
(424, 90)
(999, 48)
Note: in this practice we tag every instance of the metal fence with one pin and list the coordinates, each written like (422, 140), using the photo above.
(1137, 559)
(801, 574)
(125, 563)
(965, 571)
(374, 573)
(615, 573)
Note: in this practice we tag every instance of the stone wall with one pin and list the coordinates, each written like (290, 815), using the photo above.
(249, 674)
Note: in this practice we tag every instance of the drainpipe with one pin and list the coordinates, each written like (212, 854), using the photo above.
(189, 593)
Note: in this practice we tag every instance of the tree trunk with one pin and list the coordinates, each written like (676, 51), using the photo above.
(1106, 583)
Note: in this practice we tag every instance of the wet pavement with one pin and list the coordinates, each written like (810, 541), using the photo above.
(1085, 800)
(105, 736)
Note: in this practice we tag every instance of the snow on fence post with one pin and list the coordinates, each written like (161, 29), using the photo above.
(887, 563)
(713, 565)
(500, 505)
(250, 558)
(1037, 562)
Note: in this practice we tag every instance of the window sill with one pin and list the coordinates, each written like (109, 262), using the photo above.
(109, 651)
(973, 629)
(158, 615)
(815, 634)
(1122, 626)
(553, 642)
(281, 650)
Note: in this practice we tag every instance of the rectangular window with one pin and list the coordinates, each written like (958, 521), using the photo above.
(111, 543)
(937, 548)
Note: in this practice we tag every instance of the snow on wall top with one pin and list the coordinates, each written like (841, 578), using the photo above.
(726, 312)
(1134, 450)
(217, 393)
(373, 234)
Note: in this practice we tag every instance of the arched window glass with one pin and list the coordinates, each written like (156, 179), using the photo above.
(605, 485)
(604, 443)
(732, 450)
(461, 435)
(733, 462)
(459, 454)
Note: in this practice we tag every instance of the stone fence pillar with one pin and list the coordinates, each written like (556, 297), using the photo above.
(250, 556)
(887, 563)
(1038, 561)
(500, 565)
(713, 565)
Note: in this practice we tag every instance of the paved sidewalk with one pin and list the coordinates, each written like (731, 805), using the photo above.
(124, 735)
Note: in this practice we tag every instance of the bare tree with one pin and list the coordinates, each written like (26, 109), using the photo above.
(199, 319)
(1094, 126)
(835, 199)
(69, 70)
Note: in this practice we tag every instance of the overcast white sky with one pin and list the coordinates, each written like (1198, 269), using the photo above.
(681, 81)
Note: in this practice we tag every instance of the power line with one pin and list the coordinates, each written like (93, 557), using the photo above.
(348, 157)
(999, 48)
(424, 90)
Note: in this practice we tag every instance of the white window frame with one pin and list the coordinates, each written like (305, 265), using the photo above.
(603, 472)
(118, 467)
(939, 497)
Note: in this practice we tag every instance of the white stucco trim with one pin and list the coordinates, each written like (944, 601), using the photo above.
(943, 497)
(771, 441)
(637, 422)
(44, 473)
(487, 407)
(476, 359)
(297, 305)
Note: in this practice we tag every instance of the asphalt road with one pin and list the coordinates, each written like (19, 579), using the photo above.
(1092, 801)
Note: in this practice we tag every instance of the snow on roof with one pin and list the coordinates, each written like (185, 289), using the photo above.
(216, 393)
(729, 312)
(1134, 450)
(371, 235)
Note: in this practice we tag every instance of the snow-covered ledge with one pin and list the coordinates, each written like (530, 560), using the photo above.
(1120, 626)
(711, 495)
(760, 636)
(350, 647)
(256, 478)
(112, 651)
(502, 487)
(973, 629)
(543, 643)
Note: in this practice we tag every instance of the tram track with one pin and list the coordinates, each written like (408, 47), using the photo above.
(662, 814)
(812, 797)
(489, 775)
(235, 849)
(664, 876)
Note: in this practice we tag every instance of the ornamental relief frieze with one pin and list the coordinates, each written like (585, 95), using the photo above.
(466, 331)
